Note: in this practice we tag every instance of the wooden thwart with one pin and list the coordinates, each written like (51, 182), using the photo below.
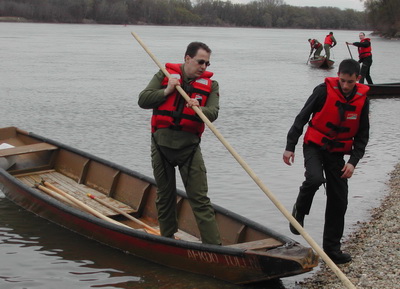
(259, 244)
(27, 149)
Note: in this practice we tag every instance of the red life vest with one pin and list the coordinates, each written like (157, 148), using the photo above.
(328, 40)
(173, 113)
(315, 44)
(334, 127)
(364, 51)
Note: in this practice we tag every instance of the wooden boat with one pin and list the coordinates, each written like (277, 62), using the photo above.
(384, 90)
(53, 180)
(321, 62)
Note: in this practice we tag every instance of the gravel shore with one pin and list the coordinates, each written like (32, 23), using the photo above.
(374, 246)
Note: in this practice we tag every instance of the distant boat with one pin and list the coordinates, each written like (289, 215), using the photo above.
(116, 206)
(384, 90)
(321, 62)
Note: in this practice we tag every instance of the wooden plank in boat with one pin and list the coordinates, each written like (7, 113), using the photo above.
(26, 149)
(259, 244)
(182, 235)
(78, 191)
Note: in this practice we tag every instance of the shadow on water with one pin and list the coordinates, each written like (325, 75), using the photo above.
(61, 255)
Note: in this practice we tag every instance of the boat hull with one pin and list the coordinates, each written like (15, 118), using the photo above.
(321, 62)
(384, 90)
(229, 263)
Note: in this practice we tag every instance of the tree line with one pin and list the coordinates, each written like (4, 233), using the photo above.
(260, 13)
(384, 16)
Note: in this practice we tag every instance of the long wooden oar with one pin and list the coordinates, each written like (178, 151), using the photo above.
(147, 227)
(250, 172)
(349, 50)
(54, 194)
(46, 187)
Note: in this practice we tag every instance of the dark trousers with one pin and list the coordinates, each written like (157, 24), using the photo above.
(317, 162)
(317, 52)
(365, 70)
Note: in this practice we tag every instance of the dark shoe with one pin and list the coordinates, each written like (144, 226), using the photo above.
(299, 217)
(339, 257)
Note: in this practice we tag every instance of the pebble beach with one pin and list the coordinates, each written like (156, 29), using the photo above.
(374, 246)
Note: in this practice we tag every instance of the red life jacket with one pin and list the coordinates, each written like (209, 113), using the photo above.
(334, 127)
(364, 51)
(173, 113)
(315, 44)
(328, 40)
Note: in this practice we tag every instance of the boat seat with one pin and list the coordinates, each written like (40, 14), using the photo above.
(259, 244)
(26, 149)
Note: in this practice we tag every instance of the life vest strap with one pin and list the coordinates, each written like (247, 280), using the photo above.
(343, 107)
(190, 89)
(331, 143)
(176, 114)
(338, 129)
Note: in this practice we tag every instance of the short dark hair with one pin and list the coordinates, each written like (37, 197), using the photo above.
(362, 33)
(193, 47)
(350, 67)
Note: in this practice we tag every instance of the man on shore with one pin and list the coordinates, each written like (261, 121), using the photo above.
(339, 125)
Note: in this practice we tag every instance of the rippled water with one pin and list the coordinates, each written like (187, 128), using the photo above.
(79, 84)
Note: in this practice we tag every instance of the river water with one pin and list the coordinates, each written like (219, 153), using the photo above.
(78, 84)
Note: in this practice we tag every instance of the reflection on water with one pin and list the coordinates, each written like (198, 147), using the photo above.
(78, 84)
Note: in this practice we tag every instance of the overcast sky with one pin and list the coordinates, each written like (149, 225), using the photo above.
(342, 4)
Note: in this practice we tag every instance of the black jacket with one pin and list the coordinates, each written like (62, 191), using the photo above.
(314, 104)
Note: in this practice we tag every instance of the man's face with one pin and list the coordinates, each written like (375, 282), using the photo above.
(347, 82)
(194, 67)
(361, 35)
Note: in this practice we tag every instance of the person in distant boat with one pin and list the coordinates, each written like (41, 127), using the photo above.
(365, 56)
(176, 135)
(329, 43)
(315, 45)
(339, 125)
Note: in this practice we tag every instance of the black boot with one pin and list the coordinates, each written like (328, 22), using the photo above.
(299, 217)
(339, 257)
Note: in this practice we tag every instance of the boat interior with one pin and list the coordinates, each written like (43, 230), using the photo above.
(56, 170)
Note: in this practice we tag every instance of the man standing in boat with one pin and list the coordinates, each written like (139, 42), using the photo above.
(339, 125)
(314, 43)
(329, 43)
(365, 56)
(176, 135)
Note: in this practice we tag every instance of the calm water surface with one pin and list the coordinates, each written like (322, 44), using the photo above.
(78, 84)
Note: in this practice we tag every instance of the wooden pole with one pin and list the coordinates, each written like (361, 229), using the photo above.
(77, 202)
(54, 195)
(349, 50)
(147, 227)
(256, 179)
